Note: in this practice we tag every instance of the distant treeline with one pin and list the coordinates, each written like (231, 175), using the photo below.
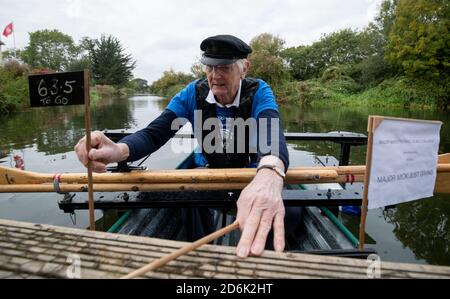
(53, 51)
(400, 59)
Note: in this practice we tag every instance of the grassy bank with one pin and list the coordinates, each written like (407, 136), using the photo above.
(397, 92)
(393, 92)
(99, 92)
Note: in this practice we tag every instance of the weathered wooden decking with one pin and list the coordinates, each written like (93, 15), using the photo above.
(30, 250)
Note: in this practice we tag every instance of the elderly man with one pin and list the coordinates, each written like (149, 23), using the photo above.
(225, 94)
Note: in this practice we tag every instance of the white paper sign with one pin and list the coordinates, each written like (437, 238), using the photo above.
(404, 161)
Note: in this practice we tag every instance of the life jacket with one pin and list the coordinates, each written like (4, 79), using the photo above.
(227, 159)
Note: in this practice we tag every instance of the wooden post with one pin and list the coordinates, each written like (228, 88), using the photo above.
(88, 148)
(362, 225)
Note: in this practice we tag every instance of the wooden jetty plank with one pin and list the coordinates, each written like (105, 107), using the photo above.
(272, 268)
(35, 250)
(242, 265)
(201, 263)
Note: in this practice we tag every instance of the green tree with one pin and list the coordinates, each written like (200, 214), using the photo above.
(13, 86)
(49, 49)
(83, 59)
(79, 64)
(197, 70)
(110, 65)
(383, 23)
(266, 61)
(170, 83)
(374, 69)
(11, 54)
(139, 85)
(419, 42)
(301, 61)
(345, 47)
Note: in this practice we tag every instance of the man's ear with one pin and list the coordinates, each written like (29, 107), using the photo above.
(246, 69)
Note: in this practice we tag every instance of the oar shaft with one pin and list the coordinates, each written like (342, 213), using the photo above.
(30, 188)
(442, 186)
(12, 180)
(241, 175)
(13, 176)
(182, 251)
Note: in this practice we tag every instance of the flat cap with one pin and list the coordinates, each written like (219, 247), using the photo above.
(223, 49)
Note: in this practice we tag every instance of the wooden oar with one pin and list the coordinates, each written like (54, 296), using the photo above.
(245, 175)
(444, 158)
(14, 180)
(442, 186)
(443, 178)
(63, 187)
(32, 188)
(183, 250)
(231, 175)
(189, 176)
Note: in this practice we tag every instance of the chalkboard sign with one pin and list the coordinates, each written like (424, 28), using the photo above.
(57, 89)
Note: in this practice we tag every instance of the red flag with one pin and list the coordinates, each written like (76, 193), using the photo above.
(8, 30)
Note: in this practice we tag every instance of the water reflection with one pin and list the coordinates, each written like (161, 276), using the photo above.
(423, 226)
(117, 114)
(57, 129)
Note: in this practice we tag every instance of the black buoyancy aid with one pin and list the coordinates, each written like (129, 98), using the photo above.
(226, 159)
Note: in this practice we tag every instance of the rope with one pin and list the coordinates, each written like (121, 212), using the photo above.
(56, 181)
(350, 178)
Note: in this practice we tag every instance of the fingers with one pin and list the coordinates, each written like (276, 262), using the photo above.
(98, 155)
(278, 232)
(248, 234)
(256, 230)
(257, 214)
(96, 138)
(80, 150)
(259, 243)
(244, 206)
(98, 166)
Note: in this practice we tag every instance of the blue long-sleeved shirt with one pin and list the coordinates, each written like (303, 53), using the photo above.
(183, 105)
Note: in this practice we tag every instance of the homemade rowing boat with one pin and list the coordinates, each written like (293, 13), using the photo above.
(317, 231)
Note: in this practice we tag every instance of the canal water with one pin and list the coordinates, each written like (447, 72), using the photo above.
(416, 232)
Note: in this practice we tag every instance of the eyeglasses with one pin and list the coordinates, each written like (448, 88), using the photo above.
(222, 69)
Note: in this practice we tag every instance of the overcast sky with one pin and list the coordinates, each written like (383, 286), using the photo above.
(164, 34)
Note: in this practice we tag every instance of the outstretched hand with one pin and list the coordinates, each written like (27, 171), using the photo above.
(260, 207)
(103, 151)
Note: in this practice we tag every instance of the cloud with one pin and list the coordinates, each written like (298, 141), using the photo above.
(163, 34)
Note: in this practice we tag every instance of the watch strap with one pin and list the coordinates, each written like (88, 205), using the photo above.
(274, 168)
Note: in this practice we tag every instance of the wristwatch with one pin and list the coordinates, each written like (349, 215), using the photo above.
(274, 168)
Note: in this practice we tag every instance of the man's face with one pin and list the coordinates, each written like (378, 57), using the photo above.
(224, 81)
